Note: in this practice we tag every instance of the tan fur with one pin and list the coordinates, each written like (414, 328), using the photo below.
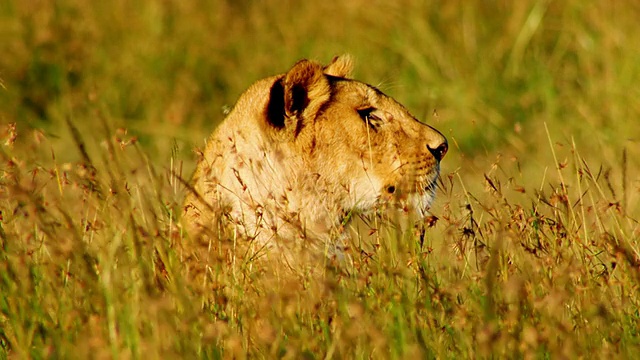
(301, 150)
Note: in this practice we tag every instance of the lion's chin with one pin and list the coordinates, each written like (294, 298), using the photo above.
(421, 202)
(414, 204)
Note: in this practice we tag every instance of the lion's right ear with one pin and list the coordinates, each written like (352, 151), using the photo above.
(341, 66)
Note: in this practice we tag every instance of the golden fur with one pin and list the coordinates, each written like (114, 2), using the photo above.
(300, 151)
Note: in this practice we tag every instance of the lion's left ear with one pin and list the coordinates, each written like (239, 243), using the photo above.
(306, 89)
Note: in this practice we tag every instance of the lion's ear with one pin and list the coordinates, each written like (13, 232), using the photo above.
(341, 66)
(306, 89)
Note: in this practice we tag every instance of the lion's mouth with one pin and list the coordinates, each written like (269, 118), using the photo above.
(413, 196)
(432, 185)
(423, 200)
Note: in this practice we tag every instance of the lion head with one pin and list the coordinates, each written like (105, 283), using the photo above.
(301, 150)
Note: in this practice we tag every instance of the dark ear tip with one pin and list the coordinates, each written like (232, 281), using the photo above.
(275, 107)
(299, 100)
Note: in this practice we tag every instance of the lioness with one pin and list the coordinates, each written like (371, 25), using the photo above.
(300, 151)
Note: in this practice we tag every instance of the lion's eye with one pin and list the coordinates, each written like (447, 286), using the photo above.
(370, 118)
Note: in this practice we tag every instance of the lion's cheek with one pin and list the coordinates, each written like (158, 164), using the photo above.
(364, 192)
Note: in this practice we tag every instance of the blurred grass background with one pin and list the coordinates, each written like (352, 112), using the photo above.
(493, 76)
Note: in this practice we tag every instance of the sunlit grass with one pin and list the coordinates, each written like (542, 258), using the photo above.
(534, 251)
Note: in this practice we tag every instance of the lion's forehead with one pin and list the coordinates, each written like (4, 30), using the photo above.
(357, 92)
(359, 95)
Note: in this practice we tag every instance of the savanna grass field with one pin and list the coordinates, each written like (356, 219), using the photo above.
(531, 250)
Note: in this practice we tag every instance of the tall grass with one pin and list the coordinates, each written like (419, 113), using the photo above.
(531, 251)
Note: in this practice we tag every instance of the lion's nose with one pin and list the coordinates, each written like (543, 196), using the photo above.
(439, 149)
